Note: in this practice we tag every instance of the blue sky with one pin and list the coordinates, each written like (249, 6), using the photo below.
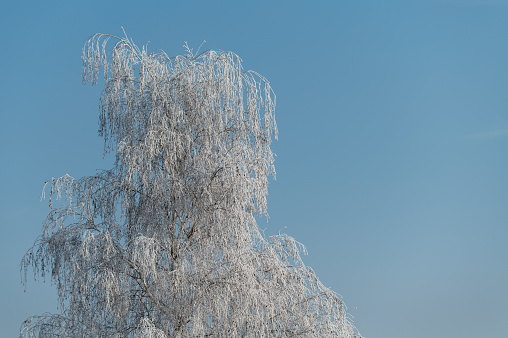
(391, 161)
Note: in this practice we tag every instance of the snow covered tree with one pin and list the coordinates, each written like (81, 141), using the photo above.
(165, 244)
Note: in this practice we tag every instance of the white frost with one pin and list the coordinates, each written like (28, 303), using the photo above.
(165, 244)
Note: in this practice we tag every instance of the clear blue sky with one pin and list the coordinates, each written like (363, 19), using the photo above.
(392, 163)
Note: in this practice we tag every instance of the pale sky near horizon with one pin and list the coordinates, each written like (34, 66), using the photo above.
(391, 161)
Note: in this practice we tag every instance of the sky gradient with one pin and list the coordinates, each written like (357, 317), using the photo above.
(391, 161)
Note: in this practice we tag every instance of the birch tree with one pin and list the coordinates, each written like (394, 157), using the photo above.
(165, 244)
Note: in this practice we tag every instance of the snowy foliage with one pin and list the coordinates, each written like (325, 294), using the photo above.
(165, 244)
